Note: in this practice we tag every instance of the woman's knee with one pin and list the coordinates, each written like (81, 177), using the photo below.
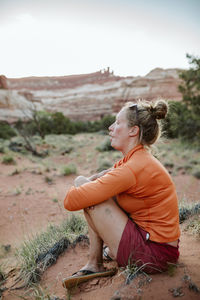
(102, 205)
(104, 209)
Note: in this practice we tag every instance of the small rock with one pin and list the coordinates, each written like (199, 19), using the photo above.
(7, 247)
(177, 292)
(193, 287)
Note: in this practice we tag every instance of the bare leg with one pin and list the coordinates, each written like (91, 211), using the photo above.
(95, 262)
(106, 223)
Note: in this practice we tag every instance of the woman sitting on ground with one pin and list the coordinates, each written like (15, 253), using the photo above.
(132, 208)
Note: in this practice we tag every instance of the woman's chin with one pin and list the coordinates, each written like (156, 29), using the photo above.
(114, 146)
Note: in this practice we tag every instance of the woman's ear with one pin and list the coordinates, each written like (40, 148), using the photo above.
(134, 131)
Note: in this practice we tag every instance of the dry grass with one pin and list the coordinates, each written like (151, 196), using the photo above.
(30, 253)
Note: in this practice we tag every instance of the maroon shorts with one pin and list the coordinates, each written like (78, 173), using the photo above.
(135, 247)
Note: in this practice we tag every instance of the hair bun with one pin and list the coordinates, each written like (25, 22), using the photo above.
(160, 109)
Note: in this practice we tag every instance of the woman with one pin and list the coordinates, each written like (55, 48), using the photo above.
(140, 225)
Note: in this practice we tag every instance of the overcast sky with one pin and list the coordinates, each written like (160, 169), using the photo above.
(64, 37)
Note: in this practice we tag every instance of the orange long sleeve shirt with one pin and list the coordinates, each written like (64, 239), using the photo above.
(143, 188)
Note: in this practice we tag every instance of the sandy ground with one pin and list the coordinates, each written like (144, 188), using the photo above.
(27, 205)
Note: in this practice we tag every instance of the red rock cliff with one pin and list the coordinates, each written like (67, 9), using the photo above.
(85, 97)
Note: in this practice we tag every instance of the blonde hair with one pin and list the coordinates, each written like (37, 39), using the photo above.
(146, 115)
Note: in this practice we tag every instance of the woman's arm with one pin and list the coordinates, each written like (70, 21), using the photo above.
(89, 193)
(80, 180)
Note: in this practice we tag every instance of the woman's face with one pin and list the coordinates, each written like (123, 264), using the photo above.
(119, 131)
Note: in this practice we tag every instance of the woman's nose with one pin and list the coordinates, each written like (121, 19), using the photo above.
(110, 127)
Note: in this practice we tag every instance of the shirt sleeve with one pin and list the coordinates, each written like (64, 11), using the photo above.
(91, 193)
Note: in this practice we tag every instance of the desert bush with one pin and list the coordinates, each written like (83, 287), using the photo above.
(106, 121)
(183, 120)
(43, 123)
(187, 210)
(69, 169)
(61, 124)
(196, 173)
(194, 226)
(104, 165)
(6, 131)
(8, 160)
(173, 126)
(2, 150)
(48, 180)
(105, 145)
(55, 200)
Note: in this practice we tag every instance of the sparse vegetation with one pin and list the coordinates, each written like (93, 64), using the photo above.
(104, 165)
(105, 145)
(187, 210)
(8, 160)
(17, 191)
(133, 270)
(177, 156)
(15, 172)
(48, 180)
(6, 131)
(69, 169)
(196, 173)
(32, 251)
(55, 200)
(2, 150)
(194, 225)
(39, 293)
(43, 123)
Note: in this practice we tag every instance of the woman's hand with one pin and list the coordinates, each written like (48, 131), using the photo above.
(80, 180)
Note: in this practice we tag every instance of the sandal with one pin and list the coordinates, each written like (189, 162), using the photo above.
(85, 275)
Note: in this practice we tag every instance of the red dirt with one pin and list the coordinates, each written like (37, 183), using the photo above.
(27, 206)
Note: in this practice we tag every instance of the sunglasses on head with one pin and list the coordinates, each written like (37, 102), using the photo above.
(134, 107)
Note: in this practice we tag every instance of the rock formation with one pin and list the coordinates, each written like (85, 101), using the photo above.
(3, 82)
(85, 97)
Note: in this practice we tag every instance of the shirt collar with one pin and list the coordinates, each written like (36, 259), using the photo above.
(128, 155)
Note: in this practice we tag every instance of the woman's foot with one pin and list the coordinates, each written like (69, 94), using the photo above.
(107, 255)
(93, 267)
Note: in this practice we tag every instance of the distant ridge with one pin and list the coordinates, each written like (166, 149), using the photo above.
(61, 82)
(84, 97)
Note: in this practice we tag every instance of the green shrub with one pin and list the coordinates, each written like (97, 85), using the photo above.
(106, 121)
(104, 165)
(48, 180)
(105, 145)
(196, 174)
(2, 149)
(69, 169)
(183, 120)
(6, 131)
(43, 123)
(55, 200)
(8, 160)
